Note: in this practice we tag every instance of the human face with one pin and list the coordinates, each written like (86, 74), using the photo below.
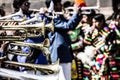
(25, 6)
(84, 19)
(58, 7)
(97, 24)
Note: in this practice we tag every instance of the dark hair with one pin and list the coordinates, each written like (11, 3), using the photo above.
(56, 1)
(47, 3)
(2, 12)
(100, 17)
(67, 4)
(17, 3)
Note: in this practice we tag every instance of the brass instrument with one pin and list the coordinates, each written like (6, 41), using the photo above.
(97, 7)
(11, 22)
(20, 53)
(27, 31)
(36, 10)
(19, 13)
(35, 18)
(4, 21)
(49, 26)
(41, 46)
(45, 43)
(51, 68)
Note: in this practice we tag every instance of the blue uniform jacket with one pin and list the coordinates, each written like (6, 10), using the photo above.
(59, 40)
(41, 59)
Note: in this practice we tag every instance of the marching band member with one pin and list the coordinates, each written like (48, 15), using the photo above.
(59, 41)
(37, 57)
(24, 5)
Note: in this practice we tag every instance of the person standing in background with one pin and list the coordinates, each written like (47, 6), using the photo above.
(2, 11)
(116, 9)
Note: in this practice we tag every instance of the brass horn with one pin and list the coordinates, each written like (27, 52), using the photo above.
(41, 46)
(27, 31)
(45, 43)
(35, 18)
(49, 26)
(51, 68)
(97, 7)
(11, 22)
(20, 13)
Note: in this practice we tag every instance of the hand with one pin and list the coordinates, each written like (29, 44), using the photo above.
(77, 9)
(113, 24)
(43, 10)
(3, 45)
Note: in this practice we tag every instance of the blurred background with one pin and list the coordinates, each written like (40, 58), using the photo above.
(105, 5)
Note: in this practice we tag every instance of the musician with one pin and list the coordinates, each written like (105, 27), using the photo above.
(24, 5)
(59, 41)
(67, 4)
(37, 57)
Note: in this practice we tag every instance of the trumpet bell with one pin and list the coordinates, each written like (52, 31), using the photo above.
(41, 46)
(50, 26)
(46, 42)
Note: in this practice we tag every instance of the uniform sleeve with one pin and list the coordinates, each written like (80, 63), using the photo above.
(71, 24)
